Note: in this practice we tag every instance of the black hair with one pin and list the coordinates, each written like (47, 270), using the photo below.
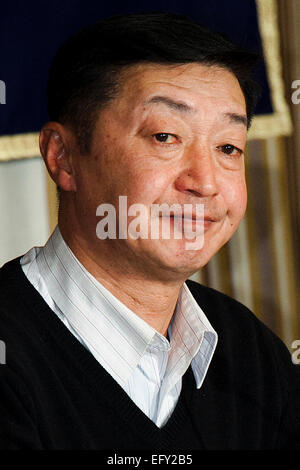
(85, 73)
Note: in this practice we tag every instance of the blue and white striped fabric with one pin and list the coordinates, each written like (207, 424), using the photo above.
(143, 362)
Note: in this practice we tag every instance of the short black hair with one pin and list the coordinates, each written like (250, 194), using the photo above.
(85, 73)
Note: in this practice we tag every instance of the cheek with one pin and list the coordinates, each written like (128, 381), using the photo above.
(147, 186)
(236, 199)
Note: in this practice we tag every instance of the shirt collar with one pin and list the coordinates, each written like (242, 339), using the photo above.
(115, 335)
(194, 334)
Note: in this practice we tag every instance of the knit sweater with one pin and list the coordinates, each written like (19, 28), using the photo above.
(55, 395)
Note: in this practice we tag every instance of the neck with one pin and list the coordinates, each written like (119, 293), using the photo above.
(150, 298)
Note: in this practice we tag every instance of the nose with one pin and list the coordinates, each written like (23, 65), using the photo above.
(199, 174)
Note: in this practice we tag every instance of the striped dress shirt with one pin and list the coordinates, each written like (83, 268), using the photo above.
(147, 365)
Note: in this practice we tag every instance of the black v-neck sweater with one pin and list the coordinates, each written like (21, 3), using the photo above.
(55, 395)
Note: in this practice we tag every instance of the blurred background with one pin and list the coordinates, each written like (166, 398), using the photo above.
(260, 266)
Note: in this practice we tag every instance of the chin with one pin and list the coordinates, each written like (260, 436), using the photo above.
(180, 261)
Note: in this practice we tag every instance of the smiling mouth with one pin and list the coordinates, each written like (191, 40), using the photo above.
(190, 217)
(191, 220)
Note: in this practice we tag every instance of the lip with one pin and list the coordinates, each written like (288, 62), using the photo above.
(191, 217)
(191, 222)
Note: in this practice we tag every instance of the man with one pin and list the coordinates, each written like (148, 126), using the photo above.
(107, 346)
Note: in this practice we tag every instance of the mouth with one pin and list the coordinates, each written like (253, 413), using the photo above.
(191, 217)
(192, 221)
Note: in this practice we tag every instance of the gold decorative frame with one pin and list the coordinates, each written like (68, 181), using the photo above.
(19, 146)
(279, 123)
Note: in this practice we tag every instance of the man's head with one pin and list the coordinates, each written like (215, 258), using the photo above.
(155, 108)
(86, 72)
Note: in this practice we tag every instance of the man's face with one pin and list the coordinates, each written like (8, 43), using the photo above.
(175, 135)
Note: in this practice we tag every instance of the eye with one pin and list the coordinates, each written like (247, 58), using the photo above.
(231, 150)
(165, 138)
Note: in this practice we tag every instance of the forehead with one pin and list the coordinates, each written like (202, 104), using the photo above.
(193, 83)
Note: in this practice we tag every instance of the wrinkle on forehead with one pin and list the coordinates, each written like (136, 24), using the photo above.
(209, 91)
(187, 80)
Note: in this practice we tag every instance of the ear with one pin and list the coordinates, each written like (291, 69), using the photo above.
(55, 147)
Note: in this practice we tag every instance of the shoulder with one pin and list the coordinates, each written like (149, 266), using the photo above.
(11, 285)
(20, 310)
(14, 287)
(242, 337)
(221, 308)
(228, 316)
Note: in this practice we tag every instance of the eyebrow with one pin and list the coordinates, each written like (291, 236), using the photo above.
(173, 104)
(234, 118)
